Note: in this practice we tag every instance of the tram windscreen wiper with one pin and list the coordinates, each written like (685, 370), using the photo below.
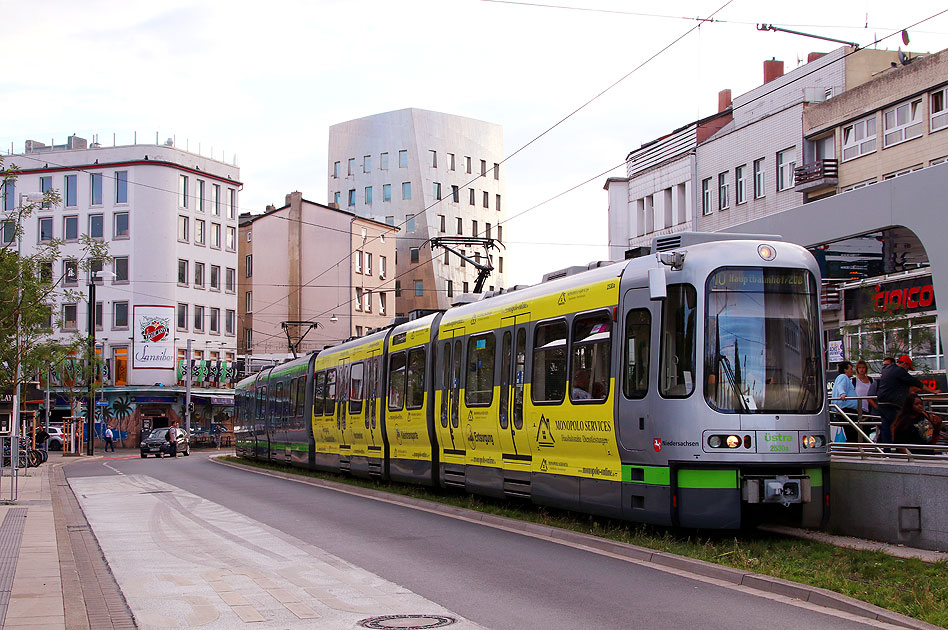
(729, 375)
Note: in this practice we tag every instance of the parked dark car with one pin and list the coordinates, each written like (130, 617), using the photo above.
(157, 442)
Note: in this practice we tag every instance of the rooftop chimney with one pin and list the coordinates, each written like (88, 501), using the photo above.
(724, 100)
(814, 56)
(773, 69)
(75, 142)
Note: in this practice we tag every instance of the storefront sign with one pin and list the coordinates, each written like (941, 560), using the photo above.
(154, 338)
(915, 295)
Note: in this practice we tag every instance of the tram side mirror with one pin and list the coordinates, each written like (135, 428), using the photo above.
(656, 284)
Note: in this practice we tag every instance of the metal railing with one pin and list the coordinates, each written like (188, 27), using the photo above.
(865, 448)
(815, 171)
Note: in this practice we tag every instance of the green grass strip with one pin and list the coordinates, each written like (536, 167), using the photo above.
(904, 585)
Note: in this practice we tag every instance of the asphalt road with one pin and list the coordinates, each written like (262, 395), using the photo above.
(494, 578)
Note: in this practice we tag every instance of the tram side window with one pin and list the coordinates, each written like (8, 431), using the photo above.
(677, 365)
(319, 387)
(638, 331)
(479, 388)
(396, 381)
(355, 387)
(591, 350)
(416, 378)
(329, 401)
(300, 396)
(262, 402)
(549, 362)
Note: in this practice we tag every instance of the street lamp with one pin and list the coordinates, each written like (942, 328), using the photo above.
(90, 378)
(30, 198)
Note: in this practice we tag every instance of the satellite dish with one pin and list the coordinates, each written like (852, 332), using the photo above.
(904, 59)
(905, 37)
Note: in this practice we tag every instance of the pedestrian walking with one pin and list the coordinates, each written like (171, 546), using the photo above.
(42, 439)
(109, 443)
(217, 439)
(843, 390)
(895, 384)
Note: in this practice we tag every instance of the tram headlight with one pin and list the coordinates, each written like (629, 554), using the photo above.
(733, 441)
(809, 441)
(766, 252)
(714, 441)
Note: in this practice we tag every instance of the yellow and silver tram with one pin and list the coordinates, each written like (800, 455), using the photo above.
(682, 388)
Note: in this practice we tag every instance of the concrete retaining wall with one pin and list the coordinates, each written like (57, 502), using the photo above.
(895, 502)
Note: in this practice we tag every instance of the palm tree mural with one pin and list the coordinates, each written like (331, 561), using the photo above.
(122, 409)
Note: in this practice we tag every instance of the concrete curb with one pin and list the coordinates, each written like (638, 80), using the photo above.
(765, 583)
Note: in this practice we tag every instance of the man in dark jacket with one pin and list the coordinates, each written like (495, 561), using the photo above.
(895, 384)
(42, 437)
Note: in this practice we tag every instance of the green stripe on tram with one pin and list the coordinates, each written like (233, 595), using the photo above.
(292, 446)
(654, 475)
(815, 475)
(690, 478)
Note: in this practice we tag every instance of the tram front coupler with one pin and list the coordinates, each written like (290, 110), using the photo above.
(783, 489)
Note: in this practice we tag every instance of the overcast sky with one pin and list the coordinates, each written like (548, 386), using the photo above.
(265, 80)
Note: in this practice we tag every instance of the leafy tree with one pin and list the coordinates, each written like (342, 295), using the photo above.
(31, 288)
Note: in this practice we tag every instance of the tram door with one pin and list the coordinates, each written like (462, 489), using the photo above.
(342, 408)
(448, 427)
(635, 418)
(514, 438)
(371, 398)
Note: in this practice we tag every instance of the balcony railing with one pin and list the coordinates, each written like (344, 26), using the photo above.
(830, 294)
(816, 175)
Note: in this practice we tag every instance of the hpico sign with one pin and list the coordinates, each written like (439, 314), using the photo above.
(154, 338)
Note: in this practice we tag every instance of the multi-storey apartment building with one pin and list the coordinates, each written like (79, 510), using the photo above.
(431, 174)
(169, 218)
(744, 169)
(308, 262)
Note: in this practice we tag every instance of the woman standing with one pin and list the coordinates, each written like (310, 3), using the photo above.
(913, 425)
(863, 383)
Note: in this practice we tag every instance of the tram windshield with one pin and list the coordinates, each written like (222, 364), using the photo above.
(762, 351)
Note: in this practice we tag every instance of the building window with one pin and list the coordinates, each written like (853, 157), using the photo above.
(706, 196)
(120, 268)
(447, 257)
(486, 199)
(199, 231)
(121, 186)
(434, 159)
(198, 318)
(230, 280)
(450, 288)
(335, 198)
(487, 230)
(229, 319)
(500, 264)
(368, 301)
(939, 109)
(248, 266)
(409, 223)
(357, 259)
(216, 199)
(183, 191)
(215, 325)
(413, 253)
(231, 238)
(182, 316)
(406, 190)
(95, 181)
(786, 162)
(366, 163)
(215, 278)
(403, 159)
(382, 300)
(9, 196)
(46, 229)
(739, 186)
(71, 193)
(183, 229)
(96, 226)
(436, 190)
(500, 233)
(368, 194)
(198, 275)
(182, 272)
(382, 262)
(70, 272)
(442, 220)
(455, 194)
(383, 161)
(95, 269)
(119, 314)
(483, 167)
(470, 195)
(419, 288)
(358, 299)
(386, 192)
(474, 232)
(70, 317)
(352, 197)
(723, 191)
(120, 228)
(350, 166)
(450, 161)
(216, 235)
(368, 263)
(460, 226)
(759, 181)
(902, 122)
(335, 170)
(231, 203)
(200, 195)
(7, 231)
(497, 202)
(248, 302)
(390, 220)
(464, 287)
(248, 339)
(859, 138)
(71, 228)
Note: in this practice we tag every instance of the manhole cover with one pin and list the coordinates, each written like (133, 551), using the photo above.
(407, 622)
